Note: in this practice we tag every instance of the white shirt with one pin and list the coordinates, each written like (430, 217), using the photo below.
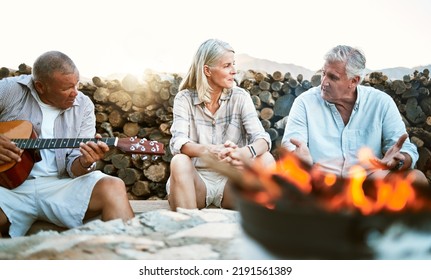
(47, 166)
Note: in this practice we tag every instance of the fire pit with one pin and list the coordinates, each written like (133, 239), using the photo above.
(297, 211)
(303, 233)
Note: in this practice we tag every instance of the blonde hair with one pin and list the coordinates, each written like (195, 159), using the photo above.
(208, 53)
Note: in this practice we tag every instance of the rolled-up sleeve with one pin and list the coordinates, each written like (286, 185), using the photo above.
(393, 129)
(180, 127)
(296, 125)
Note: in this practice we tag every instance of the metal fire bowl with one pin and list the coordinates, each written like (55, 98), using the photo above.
(293, 232)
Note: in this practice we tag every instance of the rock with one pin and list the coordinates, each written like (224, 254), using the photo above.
(206, 234)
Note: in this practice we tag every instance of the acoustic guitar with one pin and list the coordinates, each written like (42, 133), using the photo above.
(22, 133)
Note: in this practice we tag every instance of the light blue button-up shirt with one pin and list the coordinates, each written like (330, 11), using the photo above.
(375, 123)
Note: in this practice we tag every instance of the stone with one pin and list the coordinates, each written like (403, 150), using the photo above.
(207, 234)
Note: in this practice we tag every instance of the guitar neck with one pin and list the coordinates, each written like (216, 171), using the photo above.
(60, 143)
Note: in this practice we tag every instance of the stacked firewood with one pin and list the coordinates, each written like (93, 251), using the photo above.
(130, 107)
(136, 108)
(8, 72)
(273, 96)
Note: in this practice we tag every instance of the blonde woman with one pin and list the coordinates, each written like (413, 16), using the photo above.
(211, 115)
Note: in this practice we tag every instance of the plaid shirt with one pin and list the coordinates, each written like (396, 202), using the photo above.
(18, 102)
(236, 120)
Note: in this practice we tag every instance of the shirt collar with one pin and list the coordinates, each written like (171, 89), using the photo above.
(226, 94)
(359, 89)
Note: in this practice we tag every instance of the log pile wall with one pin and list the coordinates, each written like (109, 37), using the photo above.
(143, 108)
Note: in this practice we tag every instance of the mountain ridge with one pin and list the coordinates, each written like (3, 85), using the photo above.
(245, 62)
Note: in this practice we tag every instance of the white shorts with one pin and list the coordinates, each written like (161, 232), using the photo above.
(214, 183)
(62, 202)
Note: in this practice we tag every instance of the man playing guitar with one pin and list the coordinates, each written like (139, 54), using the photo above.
(63, 187)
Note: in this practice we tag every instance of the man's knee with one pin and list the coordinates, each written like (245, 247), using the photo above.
(110, 198)
(419, 179)
(108, 190)
(110, 184)
(4, 224)
(3, 218)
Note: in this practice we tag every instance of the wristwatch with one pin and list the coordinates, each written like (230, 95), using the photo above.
(92, 167)
(400, 165)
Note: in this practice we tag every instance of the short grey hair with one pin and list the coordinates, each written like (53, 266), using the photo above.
(50, 62)
(353, 58)
(208, 53)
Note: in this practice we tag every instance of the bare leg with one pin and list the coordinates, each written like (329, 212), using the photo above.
(187, 190)
(420, 180)
(109, 198)
(228, 201)
(4, 224)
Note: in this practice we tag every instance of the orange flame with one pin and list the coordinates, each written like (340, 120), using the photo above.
(396, 194)
(355, 193)
(290, 169)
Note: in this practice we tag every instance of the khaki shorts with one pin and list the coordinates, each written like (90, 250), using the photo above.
(214, 183)
(63, 202)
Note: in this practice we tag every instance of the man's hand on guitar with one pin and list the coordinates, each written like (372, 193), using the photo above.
(92, 152)
(9, 152)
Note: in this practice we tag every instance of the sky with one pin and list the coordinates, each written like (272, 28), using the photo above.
(104, 37)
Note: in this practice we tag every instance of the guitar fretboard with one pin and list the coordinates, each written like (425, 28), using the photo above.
(59, 143)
